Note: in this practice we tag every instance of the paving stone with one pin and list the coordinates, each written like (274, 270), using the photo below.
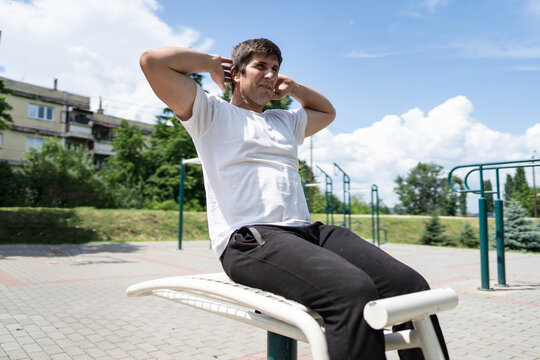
(72, 305)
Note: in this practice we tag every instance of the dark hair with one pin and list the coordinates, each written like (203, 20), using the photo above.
(242, 53)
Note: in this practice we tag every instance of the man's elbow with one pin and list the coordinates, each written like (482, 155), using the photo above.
(146, 59)
(331, 114)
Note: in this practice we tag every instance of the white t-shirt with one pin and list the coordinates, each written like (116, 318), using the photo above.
(250, 165)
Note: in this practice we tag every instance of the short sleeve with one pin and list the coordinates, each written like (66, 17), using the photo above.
(202, 115)
(299, 122)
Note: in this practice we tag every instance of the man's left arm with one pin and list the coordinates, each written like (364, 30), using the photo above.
(320, 112)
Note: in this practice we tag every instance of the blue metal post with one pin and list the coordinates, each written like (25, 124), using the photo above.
(280, 347)
(346, 197)
(329, 199)
(181, 204)
(375, 215)
(499, 230)
(484, 254)
(484, 246)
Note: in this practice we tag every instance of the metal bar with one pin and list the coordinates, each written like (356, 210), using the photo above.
(488, 166)
(376, 236)
(484, 255)
(499, 231)
(183, 163)
(328, 197)
(181, 204)
(346, 196)
(280, 347)
(428, 339)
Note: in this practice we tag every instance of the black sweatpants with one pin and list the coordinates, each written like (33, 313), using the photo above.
(330, 270)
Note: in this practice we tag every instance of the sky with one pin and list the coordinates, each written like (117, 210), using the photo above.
(451, 82)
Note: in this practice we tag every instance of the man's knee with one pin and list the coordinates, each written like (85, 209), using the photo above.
(359, 293)
(409, 281)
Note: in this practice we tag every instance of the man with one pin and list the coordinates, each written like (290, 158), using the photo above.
(257, 214)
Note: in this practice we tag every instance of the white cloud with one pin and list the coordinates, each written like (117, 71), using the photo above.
(91, 46)
(432, 5)
(534, 7)
(447, 135)
(358, 54)
(503, 50)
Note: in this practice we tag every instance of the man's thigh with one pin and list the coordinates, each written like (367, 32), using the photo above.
(289, 265)
(390, 276)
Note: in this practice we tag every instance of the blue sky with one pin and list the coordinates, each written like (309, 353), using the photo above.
(444, 81)
(374, 58)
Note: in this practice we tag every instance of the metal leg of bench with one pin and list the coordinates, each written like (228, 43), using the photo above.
(428, 338)
(280, 347)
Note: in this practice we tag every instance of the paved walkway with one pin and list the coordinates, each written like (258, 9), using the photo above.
(68, 302)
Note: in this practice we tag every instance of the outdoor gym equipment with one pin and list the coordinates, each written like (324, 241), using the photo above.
(183, 162)
(482, 212)
(346, 197)
(287, 321)
(375, 223)
(329, 188)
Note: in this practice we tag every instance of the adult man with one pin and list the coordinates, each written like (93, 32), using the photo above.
(258, 219)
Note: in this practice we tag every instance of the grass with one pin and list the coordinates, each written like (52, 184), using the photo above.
(80, 225)
(402, 229)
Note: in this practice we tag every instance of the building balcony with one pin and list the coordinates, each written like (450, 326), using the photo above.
(81, 131)
(103, 148)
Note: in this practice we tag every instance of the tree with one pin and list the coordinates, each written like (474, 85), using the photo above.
(433, 233)
(127, 170)
(490, 206)
(59, 176)
(468, 237)
(508, 188)
(424, 191)
(170, 142)
(13, 191)
(5, 118)
(462, 198)
(358, 206)
(518, 232)
(517, 189)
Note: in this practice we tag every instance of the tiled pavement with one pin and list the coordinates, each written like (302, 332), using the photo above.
(69, 302)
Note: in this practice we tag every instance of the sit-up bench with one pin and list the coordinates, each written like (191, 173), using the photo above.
(287, 321)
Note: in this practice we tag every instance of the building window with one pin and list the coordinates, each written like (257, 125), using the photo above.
(31, 142)
(40, 112)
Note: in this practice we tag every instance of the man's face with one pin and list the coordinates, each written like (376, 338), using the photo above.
(256, 85)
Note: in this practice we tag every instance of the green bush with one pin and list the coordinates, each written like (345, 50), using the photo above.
(468, 237)
(519, 233)
(12, 186)
(162, 205)
(58, 176)
(434, 234)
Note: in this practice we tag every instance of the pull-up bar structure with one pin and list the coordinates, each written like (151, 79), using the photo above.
(375, 215)
(183, 162)
(482, 212)
(329, 188)
(346, 196)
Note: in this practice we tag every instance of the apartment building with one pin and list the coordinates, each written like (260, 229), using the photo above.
(41, 113)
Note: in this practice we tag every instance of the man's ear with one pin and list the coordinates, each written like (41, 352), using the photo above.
(235, 74)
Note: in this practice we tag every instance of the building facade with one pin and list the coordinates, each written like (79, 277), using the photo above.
(41, 113)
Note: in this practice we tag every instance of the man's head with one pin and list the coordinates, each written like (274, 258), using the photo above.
(243, 53)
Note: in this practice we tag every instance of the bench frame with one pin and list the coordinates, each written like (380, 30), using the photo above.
(287, 321)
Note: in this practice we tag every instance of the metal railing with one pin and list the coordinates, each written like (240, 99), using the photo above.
(481, 168)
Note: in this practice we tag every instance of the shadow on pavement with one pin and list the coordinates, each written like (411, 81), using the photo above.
(52, 251)
(42, 226)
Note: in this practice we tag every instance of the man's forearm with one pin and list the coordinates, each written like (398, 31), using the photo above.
(182, 60)
(166, 70)
(311, 99)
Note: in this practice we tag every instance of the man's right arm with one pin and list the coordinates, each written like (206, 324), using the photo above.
(167, 69)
